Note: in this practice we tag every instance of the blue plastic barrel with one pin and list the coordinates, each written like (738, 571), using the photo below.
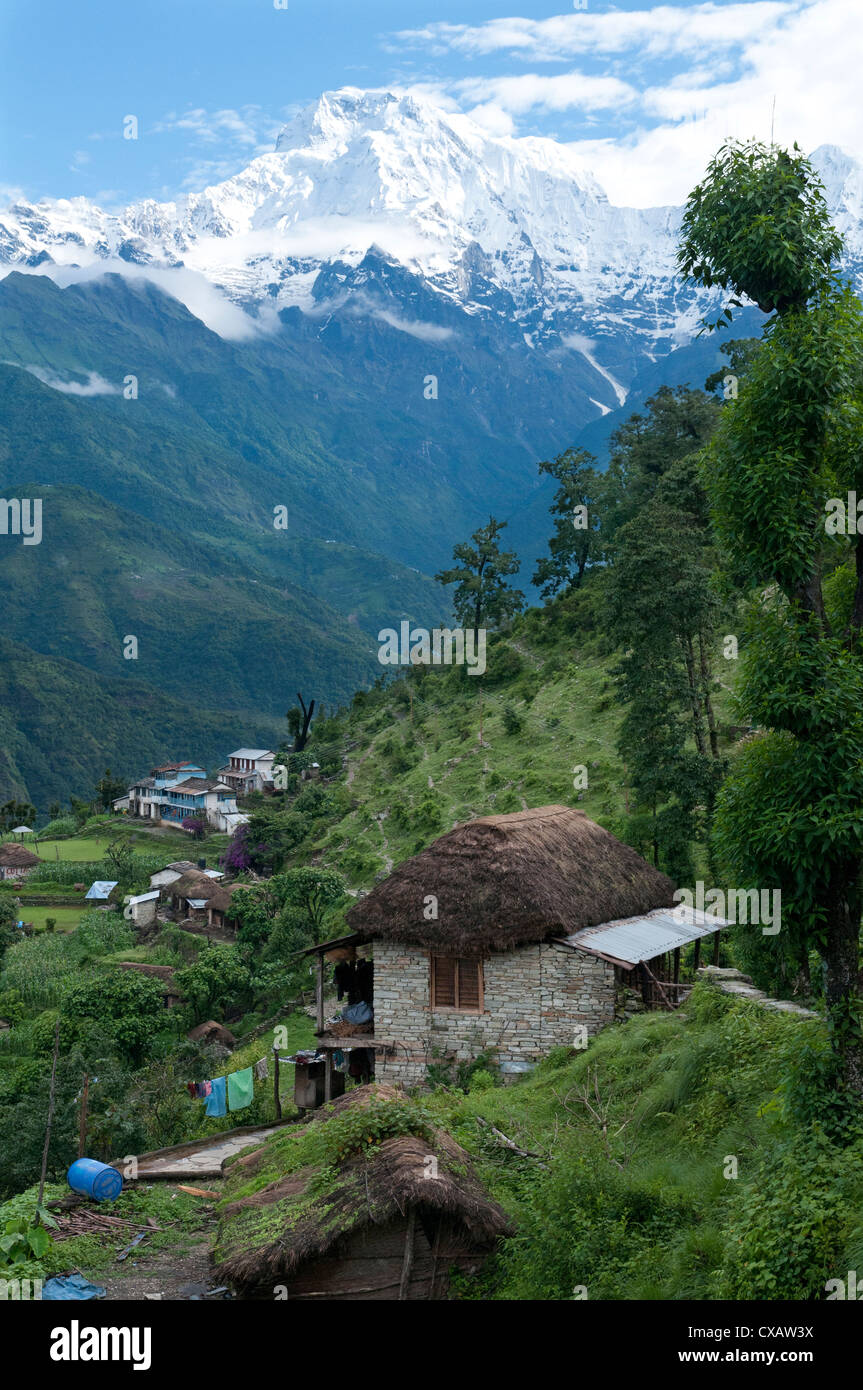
(94, 1179)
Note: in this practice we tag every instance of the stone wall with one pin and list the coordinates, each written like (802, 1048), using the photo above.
(533, 999)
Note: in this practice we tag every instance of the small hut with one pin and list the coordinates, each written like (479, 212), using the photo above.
(221, 917)
(511, 935)
(212, 1032)
(190, 894)
(165, 973)
(388, 1220)
(16, 861)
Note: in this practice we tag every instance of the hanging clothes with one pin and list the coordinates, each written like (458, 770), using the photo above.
(241, 1089)
(344, 976)
(215, 1106)
(192, 1088)
(262, 1069)
(365, 980)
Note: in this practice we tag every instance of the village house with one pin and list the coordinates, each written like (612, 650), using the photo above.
(173, 794)
(198, 898)
(249, 770)
(511, 935)
(170, 873)
(16, 861)
(140, 908)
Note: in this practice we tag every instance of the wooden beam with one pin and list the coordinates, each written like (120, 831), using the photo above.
(676, 964)
(328, 1077)
(696, 959)
(408, 1264)
(276, 1094)
(716, 948)
(319, 994)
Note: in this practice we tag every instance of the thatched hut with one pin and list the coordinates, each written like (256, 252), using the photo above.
(504, 936)
(190, 894)
(333, 1215)
(16, 861)
(165, 973)
(221, 915)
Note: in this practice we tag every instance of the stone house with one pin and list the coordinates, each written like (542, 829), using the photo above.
(510, 935)
(16, 861)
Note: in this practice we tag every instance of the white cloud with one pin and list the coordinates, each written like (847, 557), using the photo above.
(529, 91)
(656, 31)
(250, 126)
(95, 385)
(691, 77)
(428, 332)
(199, 296)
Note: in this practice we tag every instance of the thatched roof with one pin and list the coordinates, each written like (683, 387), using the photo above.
(220, 901)
(156, 972)
(13, 856)
(211, 1031)
(308, 1210)
(507, 881)
(194, 884)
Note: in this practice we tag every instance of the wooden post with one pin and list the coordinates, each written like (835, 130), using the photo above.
(82, 1129)
(276, 1095)
(407, 1264)
(716, 948)
(328, 1076)
(696, 959)
(676, 964)
(50, 1117)
(319, 994)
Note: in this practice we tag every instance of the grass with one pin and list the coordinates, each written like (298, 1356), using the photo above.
(67, 918)
(91, 848)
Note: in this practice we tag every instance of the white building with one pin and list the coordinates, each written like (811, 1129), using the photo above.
(249, 770)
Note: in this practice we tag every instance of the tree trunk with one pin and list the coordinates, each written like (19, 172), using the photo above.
(706, 682)
(841, 959)
(695, 704)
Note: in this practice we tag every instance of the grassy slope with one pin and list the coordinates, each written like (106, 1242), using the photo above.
(655, 1212)
(413, 775)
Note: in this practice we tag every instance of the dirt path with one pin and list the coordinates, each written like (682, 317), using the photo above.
(179, 1273)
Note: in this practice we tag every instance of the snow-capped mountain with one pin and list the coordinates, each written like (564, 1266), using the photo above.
(513, 226)
(514, 230)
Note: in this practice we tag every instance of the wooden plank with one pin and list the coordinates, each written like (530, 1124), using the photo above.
(409, 1254)
(319, 994)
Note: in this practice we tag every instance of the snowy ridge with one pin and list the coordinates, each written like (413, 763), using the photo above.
(492, 225)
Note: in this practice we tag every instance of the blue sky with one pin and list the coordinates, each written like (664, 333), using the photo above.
(646, 90)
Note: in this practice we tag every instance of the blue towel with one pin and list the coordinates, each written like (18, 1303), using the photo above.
(72, 1286)
(216, 1099)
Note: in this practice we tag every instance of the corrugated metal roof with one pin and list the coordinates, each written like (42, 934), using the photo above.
(635, 939)
(101, 888)
(143, 897)
(252, 753)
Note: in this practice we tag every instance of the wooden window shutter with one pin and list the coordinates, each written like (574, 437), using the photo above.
(456, 983)
(443, 982)
(468, 983)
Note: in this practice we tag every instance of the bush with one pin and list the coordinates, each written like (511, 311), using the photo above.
(63, 829)
(512, 720)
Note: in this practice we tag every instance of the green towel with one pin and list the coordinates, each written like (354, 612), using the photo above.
(241, 1089)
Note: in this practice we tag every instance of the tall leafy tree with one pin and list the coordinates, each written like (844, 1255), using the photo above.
(483, 598)
(790, 813)
(679, 421)
(576, 538)
(661, 615)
